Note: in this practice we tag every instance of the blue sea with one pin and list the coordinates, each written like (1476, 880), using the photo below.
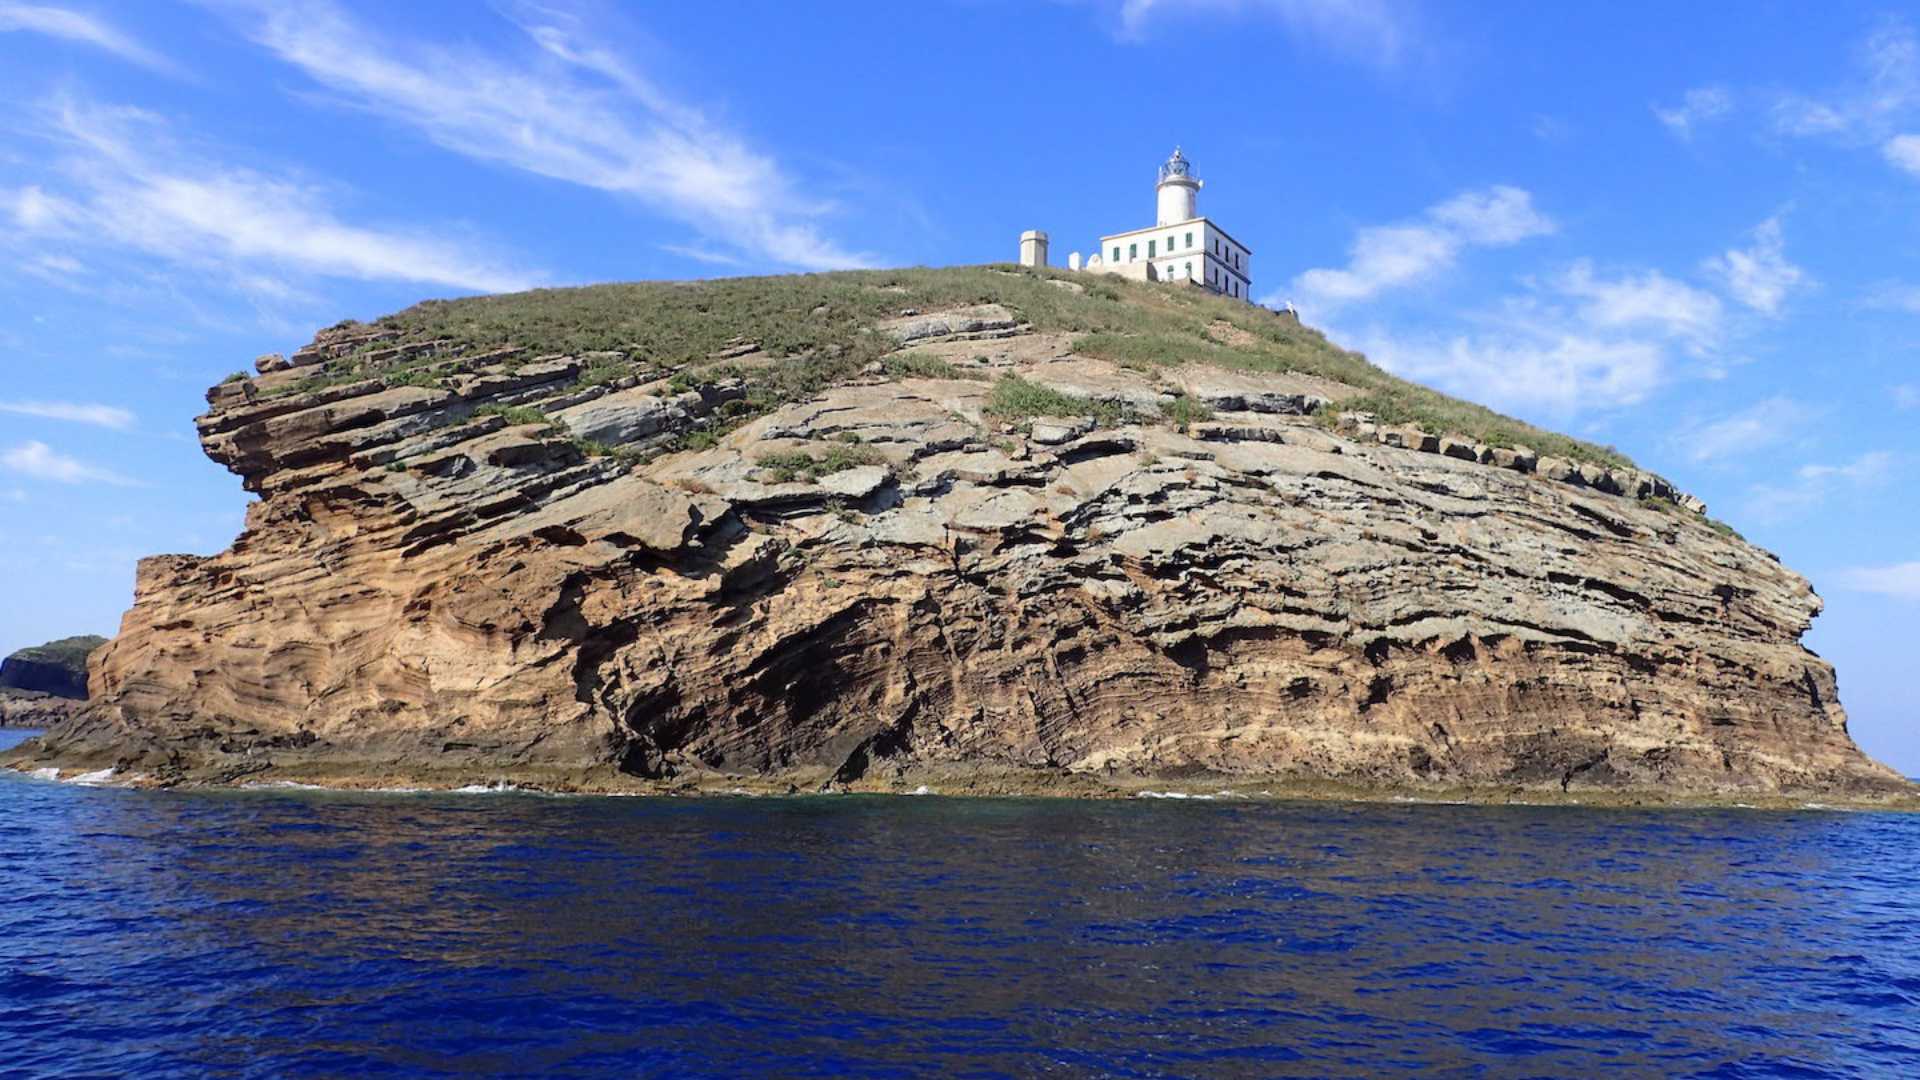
(295, 933)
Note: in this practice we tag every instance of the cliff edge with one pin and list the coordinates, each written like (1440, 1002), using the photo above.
(976, 529)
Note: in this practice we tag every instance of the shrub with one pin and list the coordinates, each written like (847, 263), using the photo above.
(1184, 412)
(786, 466)
(1015, 398)
(520, 416)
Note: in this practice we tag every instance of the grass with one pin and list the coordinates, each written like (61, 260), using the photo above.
(1015, 398)
(70, 653)
(238, 376)
(520, 416)
(820, 325)
(1186, 412)
(784, 467)
(912, 366)
(604, 371)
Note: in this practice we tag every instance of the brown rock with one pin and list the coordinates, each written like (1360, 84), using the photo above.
(422, 593)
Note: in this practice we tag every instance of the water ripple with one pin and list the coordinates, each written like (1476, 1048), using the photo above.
(300, 933)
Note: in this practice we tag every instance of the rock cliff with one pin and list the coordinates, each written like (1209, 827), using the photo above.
(973, 529)
(58, 668)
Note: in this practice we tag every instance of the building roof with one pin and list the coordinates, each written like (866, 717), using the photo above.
(1158, 228)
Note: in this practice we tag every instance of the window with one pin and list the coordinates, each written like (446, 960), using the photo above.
(1133, 252)
(1189, 269)
(1170, 244)
(1189, 239)
(1150, 249)
(1116, 253)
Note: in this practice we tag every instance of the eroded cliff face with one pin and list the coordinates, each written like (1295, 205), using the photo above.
(884, 584)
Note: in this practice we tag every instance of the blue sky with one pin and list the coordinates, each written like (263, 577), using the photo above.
(1685, 233)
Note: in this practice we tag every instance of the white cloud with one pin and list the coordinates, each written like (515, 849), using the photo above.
(42, 462)
(703, 254)
(1387, 256)
(573, 111)
(1696, 107)
(1885, 83)
(131, 190)
(1768, 423)
(1646, 300)
(1903, 151)
(1907, 396)
(1759, 276)
(1497, 217)
(1374, 31)
(79, 27)
(1525, 369)
(1901, 580)
(107, 416)
(1810, 485)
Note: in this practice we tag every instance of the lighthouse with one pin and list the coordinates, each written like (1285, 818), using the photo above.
(1178, 190)
(1182, 246)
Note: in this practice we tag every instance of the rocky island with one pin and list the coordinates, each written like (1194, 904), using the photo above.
(44, 684)
(974, 530)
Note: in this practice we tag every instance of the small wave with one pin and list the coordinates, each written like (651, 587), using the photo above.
(46, 773)
(1173, 795)
(494, 788)
(282, 785)
(96, 778)
(921, 790)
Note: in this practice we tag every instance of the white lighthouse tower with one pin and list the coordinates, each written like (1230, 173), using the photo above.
(1178, 190)
(1181, 246)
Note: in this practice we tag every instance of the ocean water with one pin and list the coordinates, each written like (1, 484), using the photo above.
(291, 933)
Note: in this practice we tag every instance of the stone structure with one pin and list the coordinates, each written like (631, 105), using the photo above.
(1033, 248)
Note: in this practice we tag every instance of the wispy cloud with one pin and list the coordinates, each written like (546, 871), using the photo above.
(1377, 32)
(1907, 396)
(1388, 256)
(1647, 299)
(1884, 85)
(703, 254)
(1903, 151)
(1525, 366)
(127, 186)
(1901, 580)
(42, 462)
(566, 108)
(1810, 485)
(1696, 107)
(1756, 427)
(1759, 275)
(107, 416)
(85, 29)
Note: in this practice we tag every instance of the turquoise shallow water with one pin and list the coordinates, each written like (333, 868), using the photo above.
(297, 933)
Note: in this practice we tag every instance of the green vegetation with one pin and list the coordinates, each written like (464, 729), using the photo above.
(787, 466)
(414, 377)
(604, 371)
(520, 416)
(70, 653)
(238, 376)
(1723, 528)
(1014, 398)
(920, 366)
(1185, 412)
(820, 326)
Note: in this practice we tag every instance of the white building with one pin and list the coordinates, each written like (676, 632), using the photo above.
(1181, 246)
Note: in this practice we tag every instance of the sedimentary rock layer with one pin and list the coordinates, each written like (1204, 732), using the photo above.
(883, 582)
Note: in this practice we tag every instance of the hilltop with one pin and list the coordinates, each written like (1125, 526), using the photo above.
(980, 529)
